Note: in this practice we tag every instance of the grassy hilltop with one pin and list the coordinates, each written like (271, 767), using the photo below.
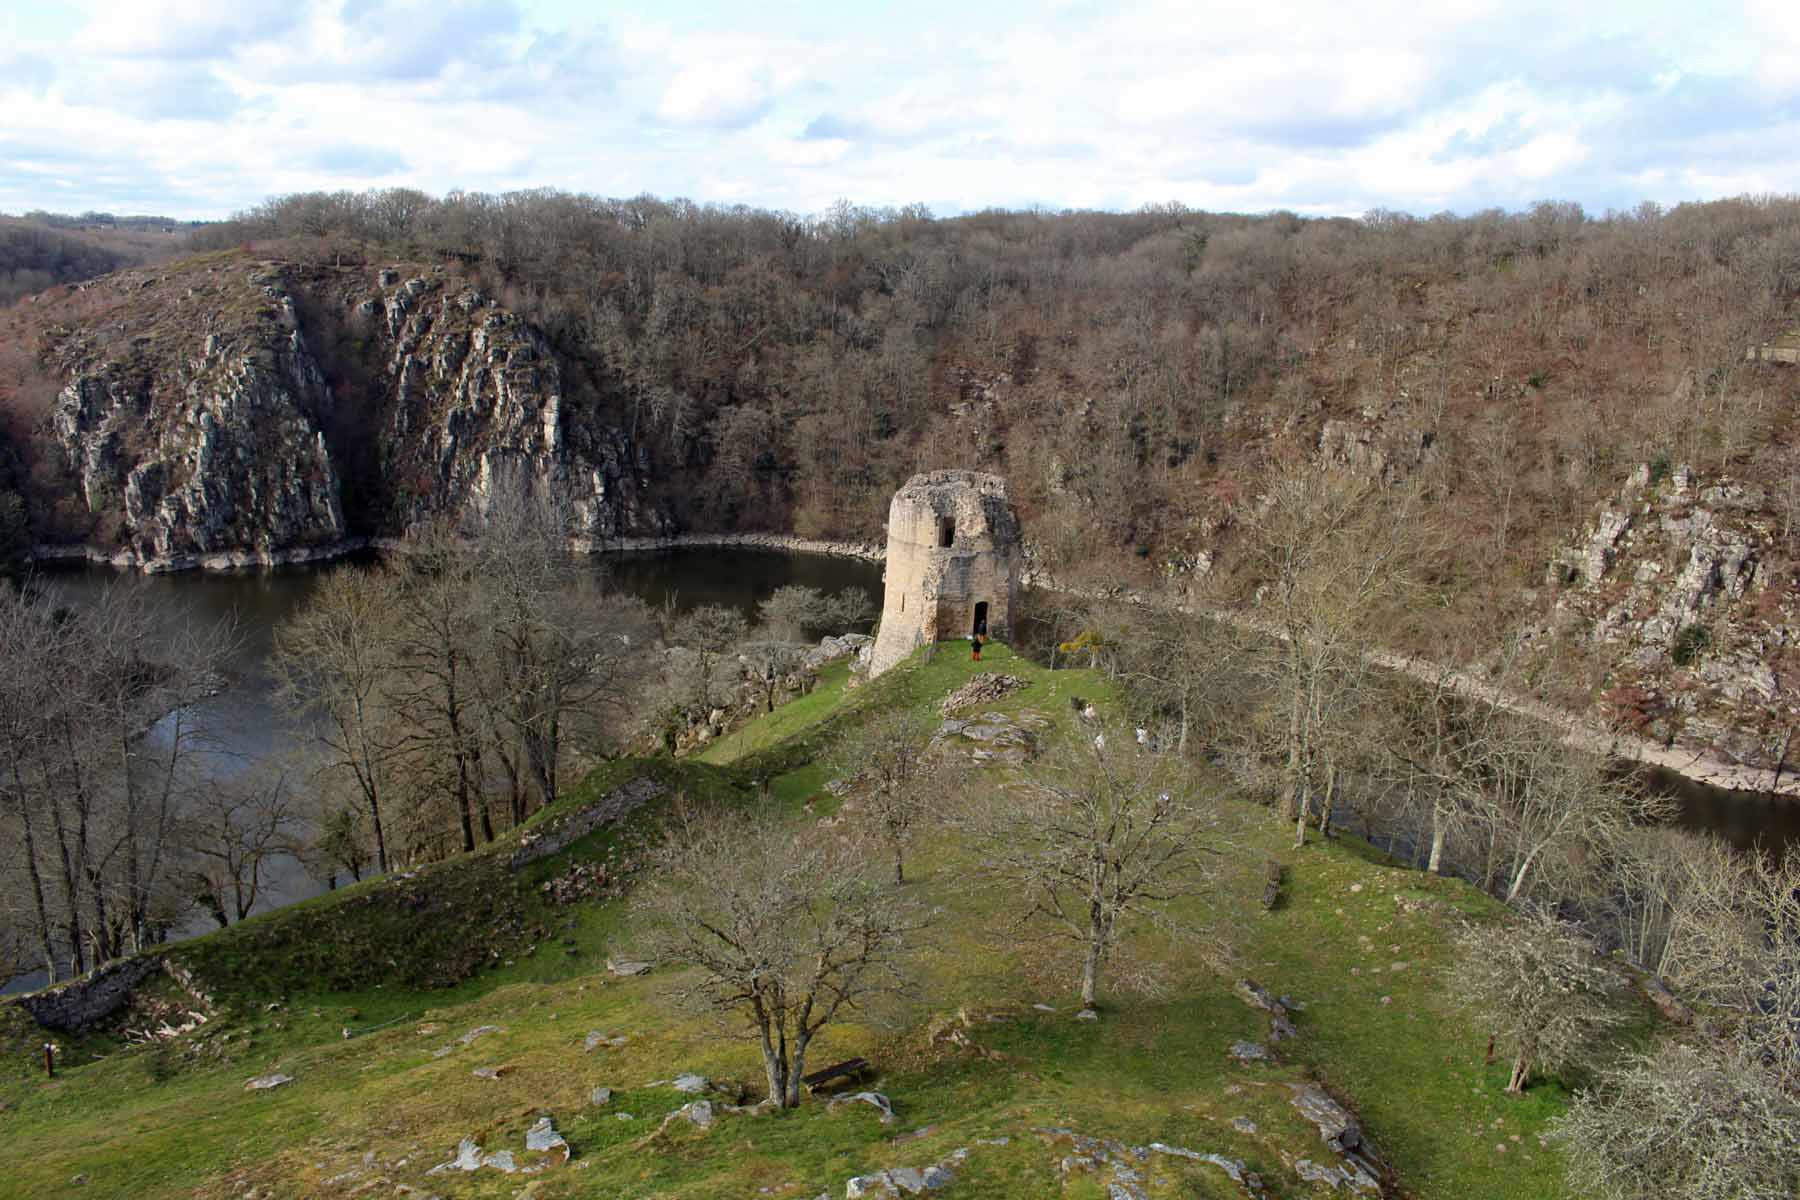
(356, 996)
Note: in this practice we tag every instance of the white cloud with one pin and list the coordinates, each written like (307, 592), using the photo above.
(728, 95)
(202, 106)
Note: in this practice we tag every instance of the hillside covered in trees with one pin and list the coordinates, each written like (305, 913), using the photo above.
(1605, 468)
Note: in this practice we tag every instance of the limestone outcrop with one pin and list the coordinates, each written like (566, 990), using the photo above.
(1670, 582)
(248, 413)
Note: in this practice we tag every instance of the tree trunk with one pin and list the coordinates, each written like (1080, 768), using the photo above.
(797, 1069)
(1090, 972)
(1521, 1071)
(1331, 788)
(39, 907)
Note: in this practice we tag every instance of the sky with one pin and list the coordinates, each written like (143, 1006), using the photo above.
(199, 108)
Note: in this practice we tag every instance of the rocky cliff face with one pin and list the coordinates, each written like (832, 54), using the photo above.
(1679, 583)
(226, 412)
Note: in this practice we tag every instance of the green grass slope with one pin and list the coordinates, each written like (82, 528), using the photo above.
(973, 1066)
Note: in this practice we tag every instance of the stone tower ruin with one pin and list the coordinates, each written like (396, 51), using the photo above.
(952, 564)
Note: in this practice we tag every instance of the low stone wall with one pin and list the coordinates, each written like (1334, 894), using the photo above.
(558, 835)
(83, 1004)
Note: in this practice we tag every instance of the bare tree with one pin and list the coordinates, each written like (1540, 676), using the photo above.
(437, 647)
(232, 832)
(793, 611)
(1329, 556)
(1095, 842)
(564, 654)
(1540, 987)
(708, 631)
(1546, 804)
(900, 782)
(332, 662)
(783, 931)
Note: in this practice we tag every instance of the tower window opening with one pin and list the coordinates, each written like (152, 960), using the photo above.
(946, 531)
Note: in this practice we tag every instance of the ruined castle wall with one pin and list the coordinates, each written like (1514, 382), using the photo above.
(932, 589)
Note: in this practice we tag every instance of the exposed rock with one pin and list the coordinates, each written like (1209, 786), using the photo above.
(469, 1157)
(601, 1095)
(1257, 996)
(1345, 1177)
(984, 687)
(1250, 1052)
(992, 737)
(499, 1072)
(833, 648)
(266, 1082)
(1281, 1029)
(1339, 1129)
(212, 444)
(626, 968)
(543, 1137)
(479, 1032)
(692, 1084)
(874, 1099)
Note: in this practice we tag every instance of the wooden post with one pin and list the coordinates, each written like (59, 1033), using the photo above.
(50, 1060)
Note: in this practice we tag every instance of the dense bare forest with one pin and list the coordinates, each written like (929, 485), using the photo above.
(1130, 373)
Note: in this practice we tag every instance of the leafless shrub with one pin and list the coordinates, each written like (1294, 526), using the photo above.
(1700, 1122)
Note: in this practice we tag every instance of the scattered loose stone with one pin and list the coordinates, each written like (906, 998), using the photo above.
(1049, 1008)
(264, 1082)
(468, 1158)
(1243, 1124)
(1087, 1014)
(498, 1072)
(623, 1117)
(626, 968)
(544, 1136)
(1281, 1029)
(1250, 1052)
(692, 1084)
(481, 1031)
(601, 1095)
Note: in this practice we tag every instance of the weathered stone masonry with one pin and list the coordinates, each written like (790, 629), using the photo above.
(953, 560)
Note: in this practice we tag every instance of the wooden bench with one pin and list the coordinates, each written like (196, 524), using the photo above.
(854, 1068)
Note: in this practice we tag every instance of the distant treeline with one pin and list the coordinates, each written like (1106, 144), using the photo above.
(41, 250)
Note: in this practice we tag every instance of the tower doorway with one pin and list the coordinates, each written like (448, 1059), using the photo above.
(980, 626)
